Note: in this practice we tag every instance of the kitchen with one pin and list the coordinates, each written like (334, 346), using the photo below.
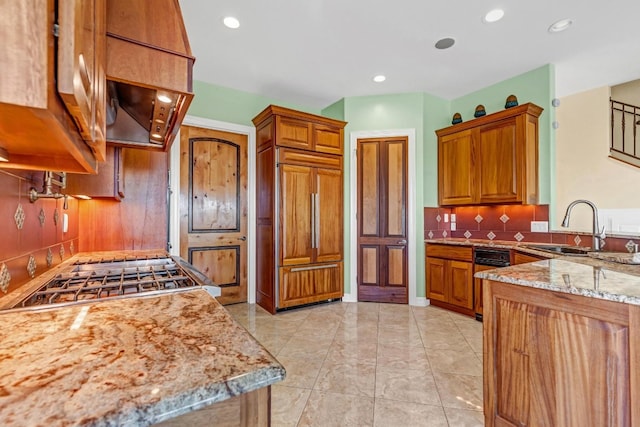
(134, 216)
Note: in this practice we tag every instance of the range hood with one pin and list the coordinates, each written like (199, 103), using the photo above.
(149, 72)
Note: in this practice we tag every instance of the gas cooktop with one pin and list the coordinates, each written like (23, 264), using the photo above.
(91, 279)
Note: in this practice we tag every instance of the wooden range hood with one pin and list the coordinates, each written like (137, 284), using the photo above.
(148, 55)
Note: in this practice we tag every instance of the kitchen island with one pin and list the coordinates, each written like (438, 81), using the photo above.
(131, 362)
(561, 344)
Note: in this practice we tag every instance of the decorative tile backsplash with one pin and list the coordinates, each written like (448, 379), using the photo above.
(31, 232)
(508, 222)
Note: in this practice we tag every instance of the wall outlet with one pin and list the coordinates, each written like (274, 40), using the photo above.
(453, 217)
(453, 226)
(446, 217)
(539, 226)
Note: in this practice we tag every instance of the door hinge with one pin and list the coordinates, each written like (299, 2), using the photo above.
(56, 30)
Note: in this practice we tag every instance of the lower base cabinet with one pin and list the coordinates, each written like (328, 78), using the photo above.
(556, 359)
(449, 277)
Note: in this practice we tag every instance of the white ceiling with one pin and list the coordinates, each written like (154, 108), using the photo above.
(315, 52)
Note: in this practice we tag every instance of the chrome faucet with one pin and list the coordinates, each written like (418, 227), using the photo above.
(598, 234)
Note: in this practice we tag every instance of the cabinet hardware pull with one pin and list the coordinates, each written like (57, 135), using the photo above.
(314, 267)
(313, 221)
(317, 219)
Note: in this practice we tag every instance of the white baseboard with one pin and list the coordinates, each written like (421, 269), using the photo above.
(350, 298)
(420, 302)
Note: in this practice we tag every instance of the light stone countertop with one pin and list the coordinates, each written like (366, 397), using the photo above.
(571, 277)
(127, 362)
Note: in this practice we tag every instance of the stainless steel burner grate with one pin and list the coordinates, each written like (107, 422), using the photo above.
(95, 279)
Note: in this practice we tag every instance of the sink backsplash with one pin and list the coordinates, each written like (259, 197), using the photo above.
(31, 238)
(507, 222)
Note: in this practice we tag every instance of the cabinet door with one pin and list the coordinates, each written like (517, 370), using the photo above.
(436, 279)
(327, 139)
(81, 65)
(498, 163)
(456, 179)
(296, 194)
(328, 215)
(460, 284)
(309, 283)
(293, 133)
(543, 347)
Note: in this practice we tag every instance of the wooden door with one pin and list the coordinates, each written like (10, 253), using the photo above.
(497, 167)
(382, 220)
(328, 215)
(456, 180)
(296, 201)
(213, 207)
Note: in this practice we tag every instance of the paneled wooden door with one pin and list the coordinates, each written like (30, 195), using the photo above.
(213, 207)
(382, 220)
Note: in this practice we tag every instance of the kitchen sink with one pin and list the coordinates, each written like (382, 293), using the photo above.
(561, 249)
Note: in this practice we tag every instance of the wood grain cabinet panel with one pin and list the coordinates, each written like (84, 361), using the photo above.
(556, 359)
(449, 277)
(37, 128)
(491, 159)
(300, 213)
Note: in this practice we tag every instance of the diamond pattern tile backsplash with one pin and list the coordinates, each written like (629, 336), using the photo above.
(510, 223)
(30, 231)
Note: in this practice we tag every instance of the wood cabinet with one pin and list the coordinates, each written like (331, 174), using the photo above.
(300, 208)
(557, 359)
(449, 277)
(37, 128)
(108, 183)
(491, 159)
(523, 258)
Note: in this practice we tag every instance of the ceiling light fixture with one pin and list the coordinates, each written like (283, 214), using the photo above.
(231, 22)
(494, 16)
(4, 155)
(445, 43)
(560, 25)
(379, 78)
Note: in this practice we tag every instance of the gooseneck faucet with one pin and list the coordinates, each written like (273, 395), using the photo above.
(598, 234)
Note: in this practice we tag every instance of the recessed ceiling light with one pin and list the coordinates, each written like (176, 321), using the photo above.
(560, 25)
(445, 43)
(231, 22)
(494, 15)
(379, 78)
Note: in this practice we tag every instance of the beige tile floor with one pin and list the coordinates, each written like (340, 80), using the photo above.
(369, 364)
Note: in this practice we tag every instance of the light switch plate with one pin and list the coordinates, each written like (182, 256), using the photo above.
(539, 226)
(453, 217)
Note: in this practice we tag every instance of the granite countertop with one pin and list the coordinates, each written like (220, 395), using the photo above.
(127, 362)
(614, 261)
(595, 281)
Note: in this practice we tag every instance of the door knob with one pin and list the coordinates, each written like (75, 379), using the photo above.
(402, 242)
(243, 238)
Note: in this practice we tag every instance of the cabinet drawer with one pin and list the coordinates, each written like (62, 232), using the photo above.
(308, 283)
(522, 258)
(460, 253)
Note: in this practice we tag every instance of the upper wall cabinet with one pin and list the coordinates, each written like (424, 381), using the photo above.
(52, 108)
(491, 159)
(296, 129)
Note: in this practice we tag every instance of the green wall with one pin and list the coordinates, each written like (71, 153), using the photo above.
(231, 105)
(420, 111)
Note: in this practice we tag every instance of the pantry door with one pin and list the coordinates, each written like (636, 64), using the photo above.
(382, 219)
(213, 207)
